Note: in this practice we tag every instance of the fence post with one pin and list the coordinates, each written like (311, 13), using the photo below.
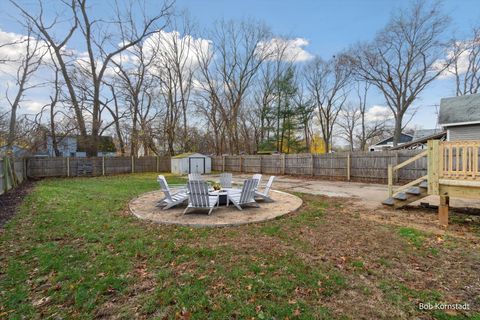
(283, 164)
(223, 163)
(25, 168)
(103, 165)
(312, 164)
(158, 164)
(68, 167)
(348, 166)
(261, 164)
(5, 175)
(241, 167)
(133, 165)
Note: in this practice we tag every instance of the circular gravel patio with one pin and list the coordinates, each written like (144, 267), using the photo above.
(145, 207)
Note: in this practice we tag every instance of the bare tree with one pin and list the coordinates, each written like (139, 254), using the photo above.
(348, 122)
(28, 64)
(466, 64)
(228, 70)
(327, 83)
(102, 45)
(405, 57)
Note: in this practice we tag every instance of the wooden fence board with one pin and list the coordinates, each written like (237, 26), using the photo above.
(94, 166)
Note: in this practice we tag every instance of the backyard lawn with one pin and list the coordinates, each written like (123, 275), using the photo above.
(73, 251)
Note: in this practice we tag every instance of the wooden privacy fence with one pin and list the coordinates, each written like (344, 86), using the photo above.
(94, 166)
(359, 166)
(7, 167)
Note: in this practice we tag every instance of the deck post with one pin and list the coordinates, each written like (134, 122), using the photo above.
(433, 168)
(443, 210)
(390, 180)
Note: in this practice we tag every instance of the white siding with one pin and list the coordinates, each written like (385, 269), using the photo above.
(470, 132)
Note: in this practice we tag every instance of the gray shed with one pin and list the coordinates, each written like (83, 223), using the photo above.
(191, 163)
(460, 117)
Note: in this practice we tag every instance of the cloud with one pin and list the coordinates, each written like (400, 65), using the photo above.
(286, 49)
(33, 106)
(378, 113)
(464, 50)
(13, 47)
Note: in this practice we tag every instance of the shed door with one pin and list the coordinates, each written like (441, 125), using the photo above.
(196, 165)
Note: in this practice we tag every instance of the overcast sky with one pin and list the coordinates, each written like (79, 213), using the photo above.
(320, 28)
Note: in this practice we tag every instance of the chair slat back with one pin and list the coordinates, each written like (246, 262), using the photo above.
(198, 194)
(226, 180)
(257, 177)
(195, 177)
(248, 191)
(164, 187)
(269, 185)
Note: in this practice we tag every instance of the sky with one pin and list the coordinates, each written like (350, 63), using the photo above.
(325, 27)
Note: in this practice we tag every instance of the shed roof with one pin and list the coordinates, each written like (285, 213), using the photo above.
(459, 110)
(187, 155)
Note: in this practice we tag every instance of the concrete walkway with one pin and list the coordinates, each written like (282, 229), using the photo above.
(369, 195)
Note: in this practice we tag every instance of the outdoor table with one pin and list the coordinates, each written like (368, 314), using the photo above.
(223, 195)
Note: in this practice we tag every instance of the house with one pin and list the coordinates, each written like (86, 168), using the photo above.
(420, 139)
(191, 163)
(18, 152)
(77, 146)
(460, 117)
(387, 144)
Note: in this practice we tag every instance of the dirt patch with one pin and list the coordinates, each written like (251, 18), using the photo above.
(10, 201)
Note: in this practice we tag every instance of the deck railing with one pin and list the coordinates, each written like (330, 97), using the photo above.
(459, 160)
(392, 169)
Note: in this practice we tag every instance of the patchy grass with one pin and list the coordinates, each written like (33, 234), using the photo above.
(74, 252)
(413, 236)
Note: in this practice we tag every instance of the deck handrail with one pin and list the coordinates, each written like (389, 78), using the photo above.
(392, 169)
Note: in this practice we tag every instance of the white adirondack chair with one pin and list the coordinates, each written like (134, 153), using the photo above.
(195, 177)
(199, 198)
(247, 196)
(257, 177)
(264, 194)
(170, 200)
(226, 180)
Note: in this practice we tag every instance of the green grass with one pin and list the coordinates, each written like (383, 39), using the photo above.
(413, 236)
(74, 252)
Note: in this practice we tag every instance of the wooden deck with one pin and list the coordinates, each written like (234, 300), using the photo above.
(453, 171)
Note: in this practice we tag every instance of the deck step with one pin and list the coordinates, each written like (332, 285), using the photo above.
(400, 196)
(389, 202)
(414, 190)
(423, 184)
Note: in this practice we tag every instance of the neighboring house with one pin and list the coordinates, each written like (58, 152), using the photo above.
(18, 152)
(460, 117)
(76, 146)
(387, 144)
(421, 137)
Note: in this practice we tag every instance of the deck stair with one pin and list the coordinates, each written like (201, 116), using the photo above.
(453, 170)
(407, 196)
